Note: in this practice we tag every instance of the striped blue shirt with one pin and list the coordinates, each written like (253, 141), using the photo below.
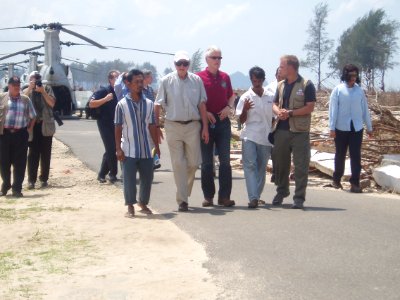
(135, 118)
(346, 105)
(19, 114)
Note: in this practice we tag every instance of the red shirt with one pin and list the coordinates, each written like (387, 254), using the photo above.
(218, 89)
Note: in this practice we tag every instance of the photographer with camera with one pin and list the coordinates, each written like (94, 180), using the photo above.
(41, 138)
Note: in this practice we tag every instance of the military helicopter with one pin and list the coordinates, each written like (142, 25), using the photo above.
(56, 74)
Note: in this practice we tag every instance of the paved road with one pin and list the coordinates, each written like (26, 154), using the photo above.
(342, 246)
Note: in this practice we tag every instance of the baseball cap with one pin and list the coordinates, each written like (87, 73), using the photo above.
(181, 55)
(14, 80)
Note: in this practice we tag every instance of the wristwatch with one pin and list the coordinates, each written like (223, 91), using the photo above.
(290, 113)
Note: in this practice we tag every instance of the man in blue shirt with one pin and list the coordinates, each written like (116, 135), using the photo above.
(348, 112)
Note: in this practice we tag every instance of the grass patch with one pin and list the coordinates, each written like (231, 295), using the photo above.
(7, 264)
(8, 214)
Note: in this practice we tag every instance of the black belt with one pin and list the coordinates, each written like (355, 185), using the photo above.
(14, 130)
(184, 122)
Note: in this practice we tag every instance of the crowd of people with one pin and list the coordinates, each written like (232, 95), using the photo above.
(276, 121)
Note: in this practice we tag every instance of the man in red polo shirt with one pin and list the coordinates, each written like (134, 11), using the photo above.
(220, 99)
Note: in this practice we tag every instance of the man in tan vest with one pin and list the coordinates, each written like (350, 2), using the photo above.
(294, 102)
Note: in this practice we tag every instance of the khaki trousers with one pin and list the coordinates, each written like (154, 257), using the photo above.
(184, 147)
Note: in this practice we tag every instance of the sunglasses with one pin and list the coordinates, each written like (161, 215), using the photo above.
(182, 63)
(216, 57)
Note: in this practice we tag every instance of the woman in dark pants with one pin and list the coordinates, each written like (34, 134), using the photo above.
(348, 112)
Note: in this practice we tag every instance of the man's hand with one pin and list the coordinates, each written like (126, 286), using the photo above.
(211, 118)
(370, 134)
(39, 89)
(204, 134)
(283, 114)
(120, 155)
(224, 113)
(332, 134)
(109, 97)
(248, 104)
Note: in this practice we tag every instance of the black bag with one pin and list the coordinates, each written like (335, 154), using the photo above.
(271, 137)
(93, 113)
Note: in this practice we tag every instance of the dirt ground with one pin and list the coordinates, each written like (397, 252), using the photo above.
(71, 241)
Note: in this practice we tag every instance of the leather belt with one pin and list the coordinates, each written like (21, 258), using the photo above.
(184, 122)
(14, 130)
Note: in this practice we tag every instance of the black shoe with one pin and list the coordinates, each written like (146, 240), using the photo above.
(278, 199)
(101, 179)
(112, 178)
(17, 194)
(44, 184)
(183, 207)
(3, 193)
(253, 204)
(297, 206)
(355, 189)
(31, 185)
(155, 167)
(336, 185)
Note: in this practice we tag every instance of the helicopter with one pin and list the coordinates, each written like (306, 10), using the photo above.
(55, 73)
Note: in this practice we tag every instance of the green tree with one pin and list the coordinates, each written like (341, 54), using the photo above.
(167, 71)
(370, 44)
(318, 45)
(196, 62)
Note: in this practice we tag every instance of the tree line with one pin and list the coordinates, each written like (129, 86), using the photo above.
(370, 43)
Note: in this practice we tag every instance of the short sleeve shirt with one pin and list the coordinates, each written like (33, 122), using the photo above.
(180, 98)
(107, 110)
(218, 88)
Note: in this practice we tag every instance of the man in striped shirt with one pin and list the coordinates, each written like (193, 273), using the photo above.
(134, 127)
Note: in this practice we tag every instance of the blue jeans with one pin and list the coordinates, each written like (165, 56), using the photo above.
(145, 168)
(220, 135)
(255, 158)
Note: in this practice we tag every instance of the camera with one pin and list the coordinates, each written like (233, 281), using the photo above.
(38, 81)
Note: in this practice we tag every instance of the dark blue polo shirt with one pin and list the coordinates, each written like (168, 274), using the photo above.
(107, 110)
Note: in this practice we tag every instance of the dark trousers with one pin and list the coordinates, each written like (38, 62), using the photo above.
(351, 140)
(109, 163)
(220, 135)
(39, 151)
(13, 152)
(289, 143)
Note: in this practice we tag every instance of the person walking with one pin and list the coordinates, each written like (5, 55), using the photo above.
(17, 117)
(43, 101)
(182, 96)
(220, 101)
(106, 100)
(134, 128)
(255, 112)
(348, 112)
(294, 102)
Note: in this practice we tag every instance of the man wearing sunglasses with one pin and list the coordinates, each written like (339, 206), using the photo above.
(220, 101)
(182, 96)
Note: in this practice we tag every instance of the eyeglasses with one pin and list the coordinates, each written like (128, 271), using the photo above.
(216, 57)
(182, 63)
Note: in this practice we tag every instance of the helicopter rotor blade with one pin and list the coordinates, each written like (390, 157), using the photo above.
(83, 38)
(20, 52)
(33, 26)
(82, 70)
(141, 50)
(95, 26)
(73, 60)
(22, 42)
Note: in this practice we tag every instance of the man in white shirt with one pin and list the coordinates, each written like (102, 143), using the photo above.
(255, 112)
(182, 96)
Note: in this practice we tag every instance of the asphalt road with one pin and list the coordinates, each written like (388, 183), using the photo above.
(342, 246)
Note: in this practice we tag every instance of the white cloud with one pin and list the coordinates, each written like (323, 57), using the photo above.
(215, 20)
(151, 8)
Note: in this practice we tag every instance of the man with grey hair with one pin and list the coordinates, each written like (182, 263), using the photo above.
(182, 96)
(220, 101)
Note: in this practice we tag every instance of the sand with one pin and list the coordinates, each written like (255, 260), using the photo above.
(72, 241)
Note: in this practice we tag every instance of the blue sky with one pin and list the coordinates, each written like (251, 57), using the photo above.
(249, 32)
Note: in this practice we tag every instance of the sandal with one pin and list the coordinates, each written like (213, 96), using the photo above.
(130, 213)
(145, 209)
